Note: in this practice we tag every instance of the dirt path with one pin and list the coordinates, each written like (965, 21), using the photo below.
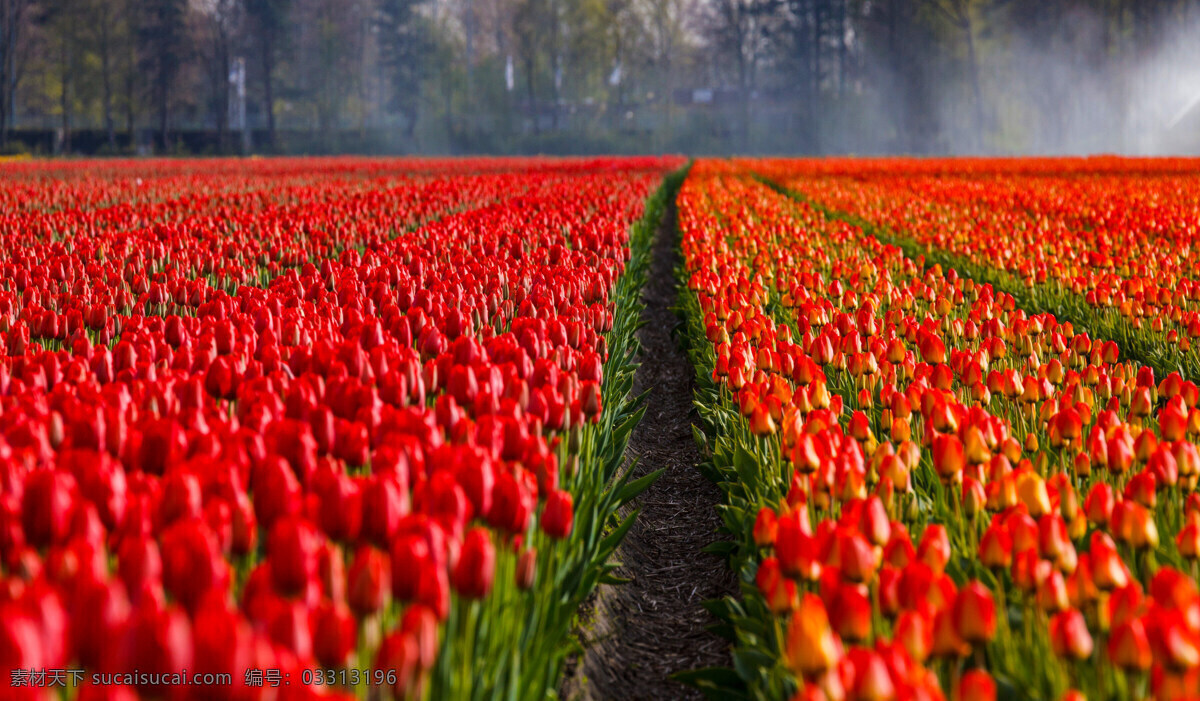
(654, 626)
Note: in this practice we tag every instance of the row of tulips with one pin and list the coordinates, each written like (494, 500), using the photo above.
(934, 494)
(398, 455)
(1110, 249)
(33, 187)
(102, 275)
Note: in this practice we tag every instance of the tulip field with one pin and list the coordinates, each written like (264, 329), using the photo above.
(333, 428)
(357, 428)
(936, 492)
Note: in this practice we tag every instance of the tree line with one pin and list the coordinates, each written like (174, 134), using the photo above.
(803, 76)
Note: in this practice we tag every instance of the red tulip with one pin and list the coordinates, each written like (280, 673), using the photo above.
(421, 625)
(558, 515)
(369, 580)
(399, 655)
(410, 557)
(811, 648)
(158, 642)
(934, 549)
(334, 635)
(476, 565)
(915, 631)
(1069, 636)
(192, 563)
(289, 627)
(1128, 646)
(293, 549)
(976, 685)
(948, 457)
(975, 614)
(384, 503)
(526, 569)
(46, 506)
(850, 613)
(779, 592)
(512, 504)
(795, 548)
(765, 527)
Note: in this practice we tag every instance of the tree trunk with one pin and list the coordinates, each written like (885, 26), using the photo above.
(65, 92)
(10, 28)
(268, 66)
(841, 44)
(164, 116)
(976, 87)
(221, 92)
(815, 84)
(130, 90)
(106, 77)
(531, 91)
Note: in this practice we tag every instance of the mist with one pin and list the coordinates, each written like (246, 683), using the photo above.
(1073, 92)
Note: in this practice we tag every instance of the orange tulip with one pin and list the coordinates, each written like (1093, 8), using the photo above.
(1129, 647)
(975, 614)
(811, 647)
(1069, 636)
(976, 685)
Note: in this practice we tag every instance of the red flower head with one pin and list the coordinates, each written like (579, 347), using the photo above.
(558, 514)
(476, 565)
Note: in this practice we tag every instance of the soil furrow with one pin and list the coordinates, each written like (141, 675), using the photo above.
(643, 631)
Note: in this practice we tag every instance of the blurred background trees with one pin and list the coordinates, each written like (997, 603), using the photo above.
(571, 76)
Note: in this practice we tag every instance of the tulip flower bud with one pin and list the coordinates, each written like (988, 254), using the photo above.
(873, 678)
(400, 655)
(914, 631)
(1143, 529)
(476, 565)
(856, 557)
(368, 581)
(946, 641)
(1188, 540)
(293, 550)
(765, 527)
(1129, 647)
(933, 349)
(384, 503)
(46, 506)
(1069, 636)
(778, 591)
(1031, 490)
(157, 641)
(421, 624)
(811, 648)
(192, 562)
(512, 504)
(976, 685)
(1052, 593)
(558, 514)
(948, 458)
(874, 523)
(591, 401)
(334, 635)
(761, 423)
(412, 556)
(934, 549)
(526, 569)
(795, 548)
(996, 547)
(851, 613)
(974, 497)
(975, 614)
